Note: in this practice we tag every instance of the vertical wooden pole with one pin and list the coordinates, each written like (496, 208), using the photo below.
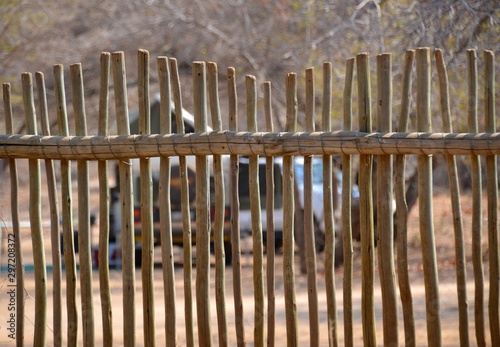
(288, 218)
(255, 209)
(331, 243)
(477, 209)
(270, 235)
(235, 212)
(147, 229)
(67, 212)
(312, 287)
(104, 224)
(54, 216)
(84, 241)
(385, 227)
(220, 291)
(492, 188)
(402, 207)
(126, 202)
(347, 249)
(185, 209)
(202, 211)
(36, 218)
(16, 228)
(455, 202)
(167, 252)
(366, 204)
(426, 220)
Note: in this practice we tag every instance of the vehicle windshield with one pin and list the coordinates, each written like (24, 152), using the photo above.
(317, 166)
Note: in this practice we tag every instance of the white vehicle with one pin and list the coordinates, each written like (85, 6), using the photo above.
(317, 186)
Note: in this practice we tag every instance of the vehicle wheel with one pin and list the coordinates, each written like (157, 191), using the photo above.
(278, 241)
(228, 250)
(319, 237)
(339, 251)
(138, 257)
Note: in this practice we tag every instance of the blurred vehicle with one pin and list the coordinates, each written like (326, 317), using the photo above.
(318, 203)
(317, 196)
(175, 191)
(245, 216)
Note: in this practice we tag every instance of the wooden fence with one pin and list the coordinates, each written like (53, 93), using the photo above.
(372, 139)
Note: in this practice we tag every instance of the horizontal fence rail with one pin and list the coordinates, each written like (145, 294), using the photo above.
(245, 143)
(205, 193)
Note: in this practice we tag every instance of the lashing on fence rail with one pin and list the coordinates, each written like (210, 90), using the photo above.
(248, 143)
(347, 143)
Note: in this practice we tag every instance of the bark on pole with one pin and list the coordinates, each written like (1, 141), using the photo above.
(402, 208)
(366, 204)
(104, 220)
(385, 228)
(346, 210)
(235, 210)
(126, 202)
(36, 218)
(288, 218)
(202, 209)
(147, 229)
(185, 208)
(426, 220)
(455, 202)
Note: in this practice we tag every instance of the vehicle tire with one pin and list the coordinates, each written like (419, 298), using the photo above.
(278, 243)
(319, 237)
(138, 257)
(278, 240)
(228, 250)
(339, 252)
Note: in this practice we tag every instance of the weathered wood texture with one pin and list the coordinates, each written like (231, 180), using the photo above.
(347, 247)
(311, 267)
(492, 189)
(104, 206)
(366, 227)
(248, 143)
(167, 251)
(455, 201)
(288, 218)
(16, 224)
(202, 211)
(328, 187)
(220, 256)
(126, 202)
(426, 220)
(67, 213)
(147, 241)
(36, 219)
(271, 235)
(186, 227)
(385, 228)
(235, 207)
(84, 238)
(361, 146)
(54, 214)
(402, 209)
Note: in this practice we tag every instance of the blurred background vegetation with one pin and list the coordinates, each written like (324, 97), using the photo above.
(259, 37)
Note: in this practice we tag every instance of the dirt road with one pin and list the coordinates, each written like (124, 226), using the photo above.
(448, 297)
(449, 310)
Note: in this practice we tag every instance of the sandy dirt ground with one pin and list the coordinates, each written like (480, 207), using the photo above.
(448, 297)
(449, 309)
